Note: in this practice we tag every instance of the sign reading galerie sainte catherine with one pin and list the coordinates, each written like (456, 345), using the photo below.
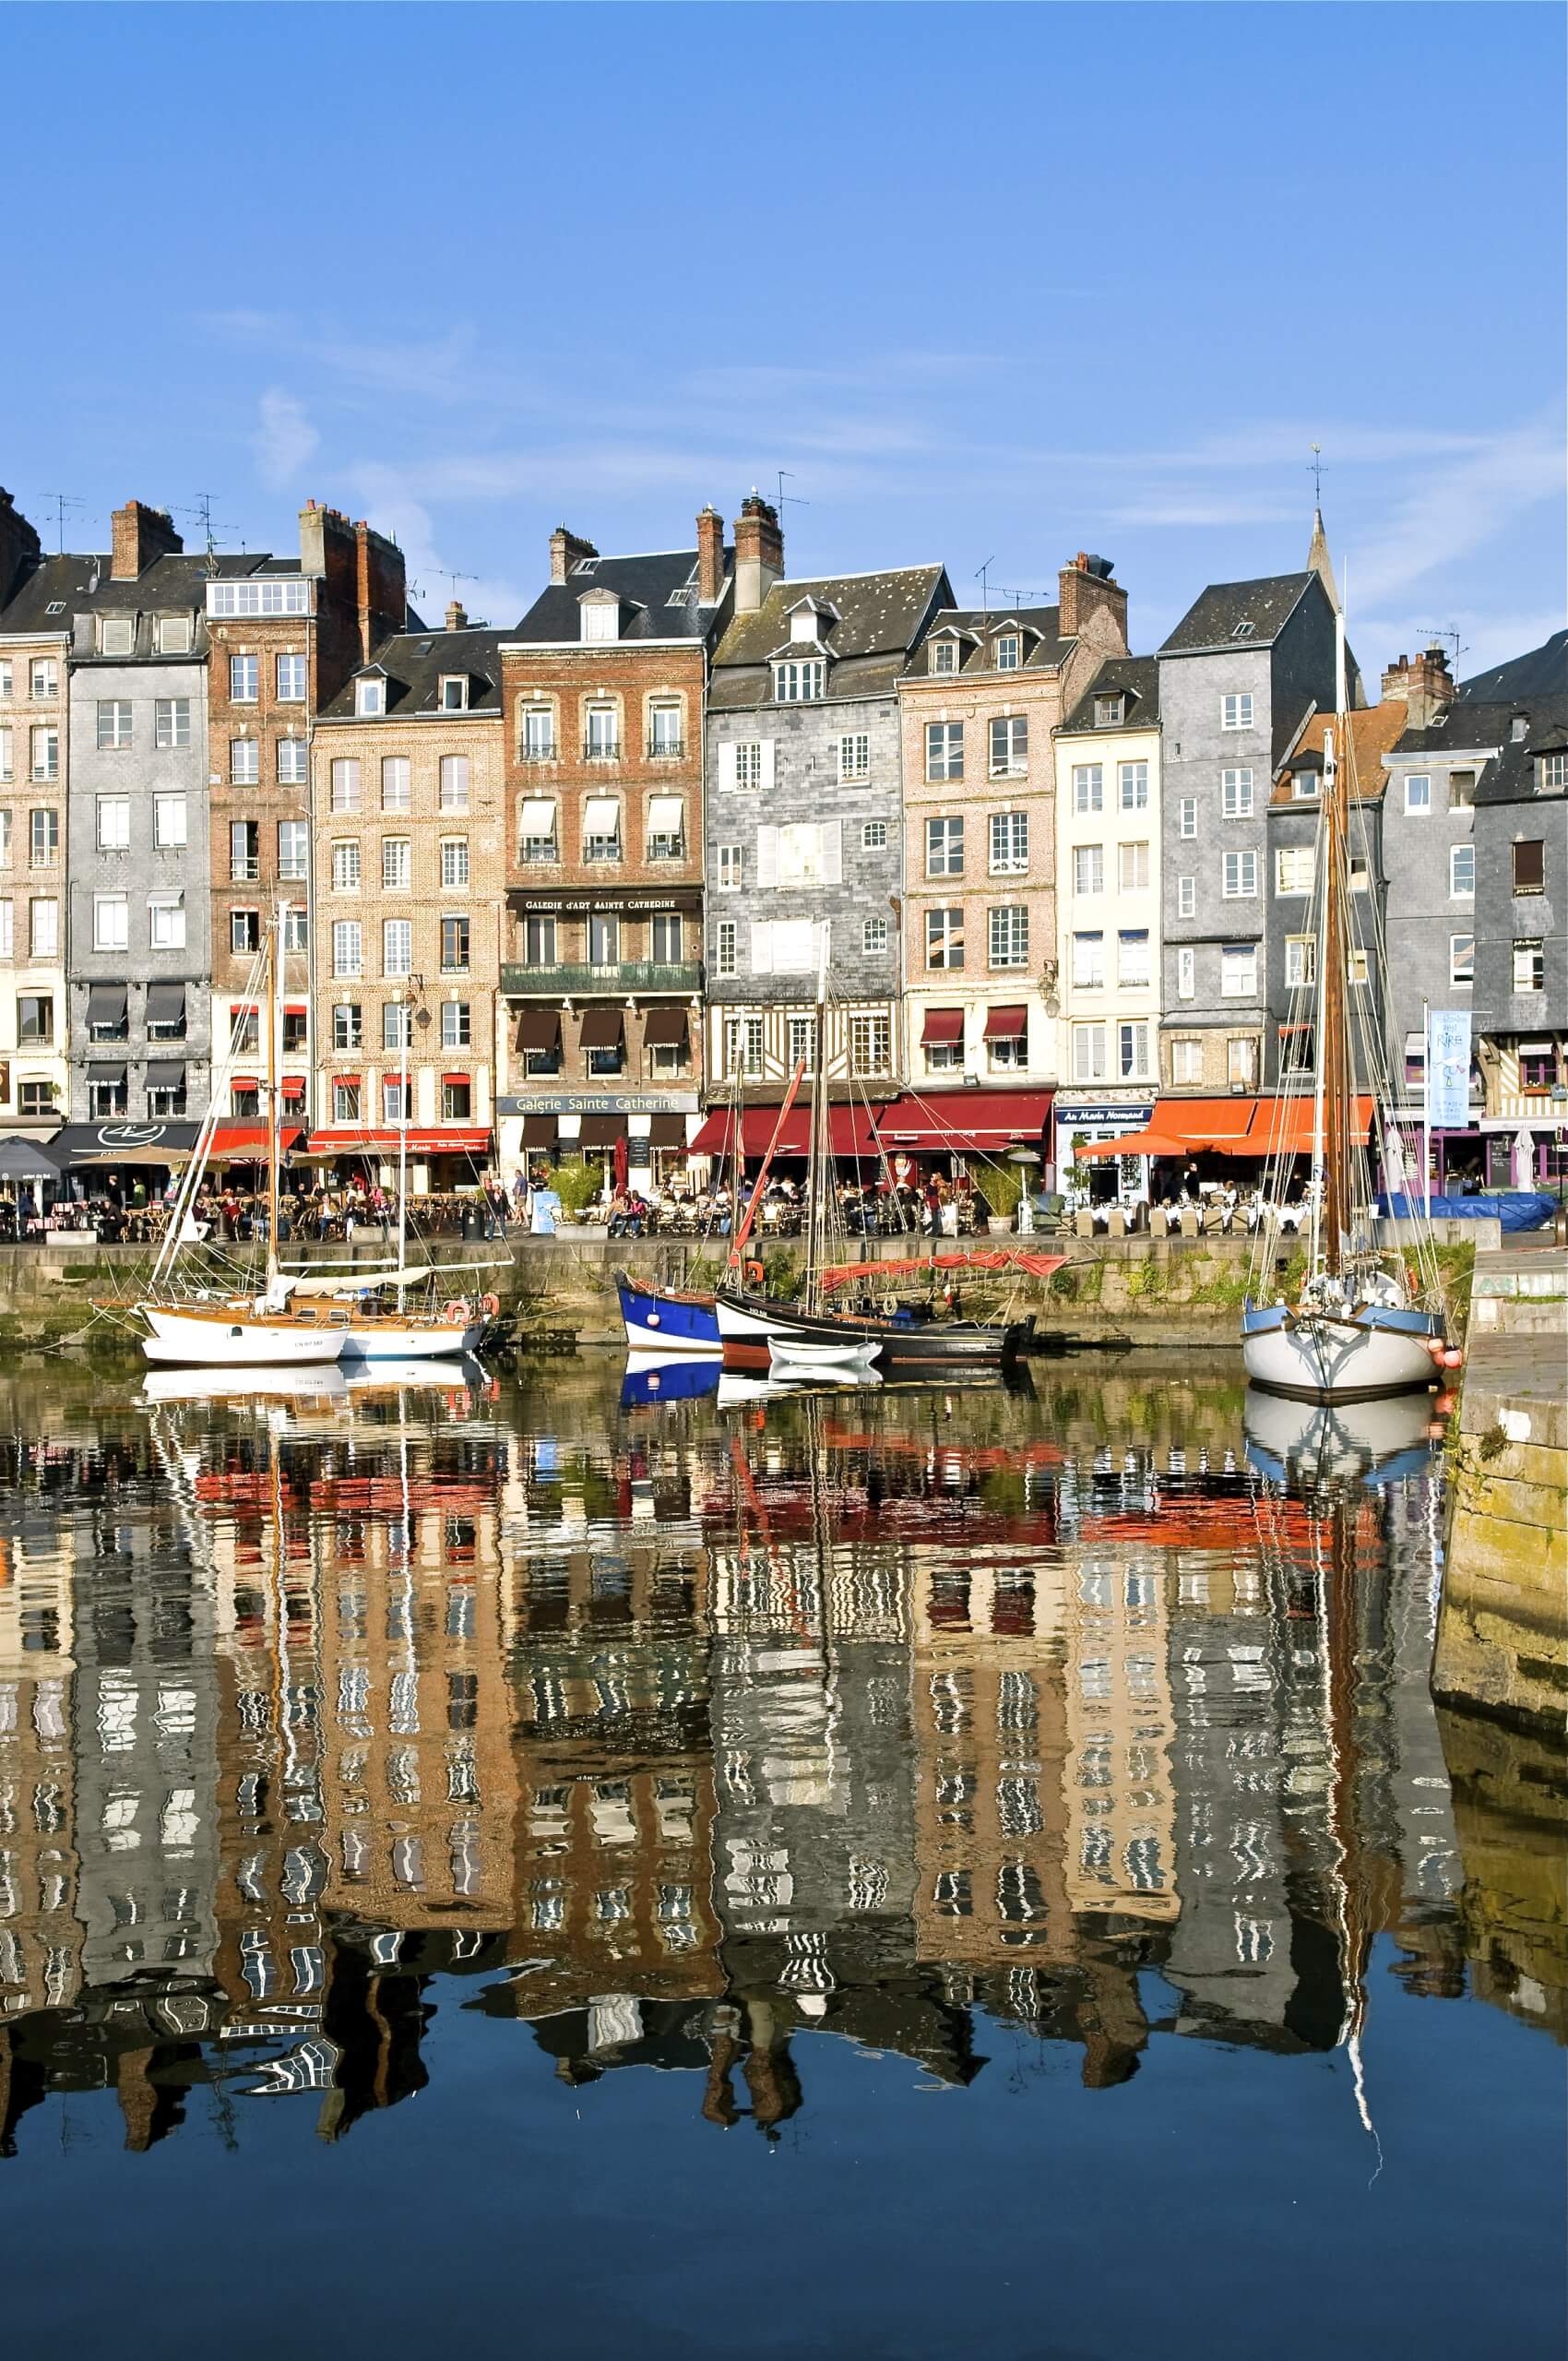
(600, 1102)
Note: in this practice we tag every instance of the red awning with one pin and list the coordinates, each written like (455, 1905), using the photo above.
(986, 1122)
(456, 1078)
(456, 1140)
(1007, 1024)
(850, 1132)
(244, 1082)
(943, 1026)
(1286, 1124)
(247, 1141)
(296, 1009)
(1232, 1127)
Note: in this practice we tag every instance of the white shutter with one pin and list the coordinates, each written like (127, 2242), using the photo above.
(666, 816)
(538, 816)
(767, 856)
(726, 767)
(602, 815)
(762, 946)
(765, 778)
(831, 855)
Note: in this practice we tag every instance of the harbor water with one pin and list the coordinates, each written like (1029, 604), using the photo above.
(645, 1865)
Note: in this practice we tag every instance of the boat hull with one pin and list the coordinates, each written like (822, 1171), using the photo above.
(749, 1325)
(663, 1319)
(393, 1340)
(224, 1340)
(1310, 1357)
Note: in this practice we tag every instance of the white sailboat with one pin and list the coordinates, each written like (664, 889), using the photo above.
(1366, 1321)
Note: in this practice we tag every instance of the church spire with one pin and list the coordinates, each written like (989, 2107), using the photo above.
(1318, 559)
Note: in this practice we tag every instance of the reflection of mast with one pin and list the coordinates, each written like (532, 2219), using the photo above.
(1336, 1588)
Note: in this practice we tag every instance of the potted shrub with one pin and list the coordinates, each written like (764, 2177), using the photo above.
(576, 1182)
(1002, 1187)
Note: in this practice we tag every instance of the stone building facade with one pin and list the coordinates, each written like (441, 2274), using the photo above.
(34, 647)
(603, 686)
(409, 857)
(979, 703)
(805, 826)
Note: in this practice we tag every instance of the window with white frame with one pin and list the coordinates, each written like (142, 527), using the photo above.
(602, 827)
(1133, 785)
(393, 1099)
(452, 792)
(945, 847)
(1133, 869)
(244, 679)
(397, 1025)
(113, 823)
(1361, 874)
(1010, 746)
(43, 931)
(1109, 710)
(732, 867)
(44, 741)
(1088, 962)
(799, 681)
(1235, 795)
(1242, 1059)
(1088, 787)
(666, 938)
(1300, 959)
(1186, 897)
(1090, 1059)
(171, 721)
(173, 635)
(873, 836)
(1186, 1060)
(741, 765)
(110, 922)
(245, 762)
(1008, 931)
(244, 932)
(1461, 958)
(853, 758)
(1186, 972)
(1359, 969)
(345, 1099)
(1417, 791)
(370, 698)
(166, 922)
(345, 792)
(1461, 873)
(874, 937)
(871, 1044)
(5, 840)
(799, 1047)
(1293, 866)
(1133, 958)
(1238, 972)
(1236, 711)
(8, 744)
(943, 655)
(454, 860)
(1529, 965)
(944, 750)
(169, 822)
(43, 680)
(347, 1025)
(116, 634)
(1009, 844)
(1552, 774)
(1241, 876)
(113, 722)
(294, 768)
(453, 692)
(726, 948)
(396, 784)
(347, 947)
(293, 849)
(743, 1045)
(1132, 1051)
(1088, 869)
(244, 851)
(538, 732)
(396, 864)
(346, 866)
(1007, 652)
(457, 1025)
(269, 595)
(1187, 816)
(944, 938)
(397, 947)
(664, 738)
(291, 680)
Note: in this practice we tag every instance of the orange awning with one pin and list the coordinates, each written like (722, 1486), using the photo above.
(1230, 1127)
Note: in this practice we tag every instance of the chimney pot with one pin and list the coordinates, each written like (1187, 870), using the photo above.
(140, 534)
(566, 548)
(710, 555)
(759, 553)
(1093, 604)
(456, 617)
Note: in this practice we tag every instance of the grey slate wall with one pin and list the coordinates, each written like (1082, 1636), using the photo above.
(1421, 913)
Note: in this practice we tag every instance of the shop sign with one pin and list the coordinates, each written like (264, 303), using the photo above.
(601, 1103)
(1122, 1116)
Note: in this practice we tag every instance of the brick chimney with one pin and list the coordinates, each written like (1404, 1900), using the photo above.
(1094, 607)
(710, 556)
(20, 549)
(382, 587)
(140, 534)
(566, 548)
(1425, 688)
(456, 617)
(759, 553)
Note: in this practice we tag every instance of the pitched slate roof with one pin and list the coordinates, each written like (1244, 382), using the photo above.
(415, 663)
(1373, 730)
(1542, 672)
(1137, 677)
(647, 584)
(1215, 617)
(80, 584)
(1044, 647)
(1486, 730)
(881, 618)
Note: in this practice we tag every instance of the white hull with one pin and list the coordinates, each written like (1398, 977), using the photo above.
(245, 1340)
(679, 1348)
(393, 1340)
(1326, 1360)
(742, 1327)
(322, 1382)
(790, 1355)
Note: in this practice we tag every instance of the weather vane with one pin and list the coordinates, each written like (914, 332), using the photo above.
(1315, 466)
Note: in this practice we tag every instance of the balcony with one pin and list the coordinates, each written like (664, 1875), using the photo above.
(601, 750)
(580, 981)
(664, 749)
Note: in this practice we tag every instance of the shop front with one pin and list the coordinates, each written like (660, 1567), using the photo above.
(120, 1169)
(441, 1160)
(1084, 1123)
(637, 1138)
(1530, 1151)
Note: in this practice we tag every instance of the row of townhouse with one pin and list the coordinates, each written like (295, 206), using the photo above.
(569, 884)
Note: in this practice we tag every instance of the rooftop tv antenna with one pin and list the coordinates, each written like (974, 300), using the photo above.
(450, 576)
(1435, 636)
(793, 498)
(62, 500)
(981, 575)
(201, 508)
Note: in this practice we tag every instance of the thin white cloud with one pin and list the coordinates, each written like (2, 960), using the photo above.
(284, 438)
(1451, 511)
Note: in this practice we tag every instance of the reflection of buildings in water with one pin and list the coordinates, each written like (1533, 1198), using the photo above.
(40, 1930)
(1511, 1824)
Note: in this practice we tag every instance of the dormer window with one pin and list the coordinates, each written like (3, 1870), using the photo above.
(1108, 711)
(116, 634)
(1519, 728)
(803, 624)
(1304, 786)
(370, 697)
(1009, 652)
(601, 616)
(1552, 774)
(173, 635)
(945, 655)
(454, 693)
(800, 682)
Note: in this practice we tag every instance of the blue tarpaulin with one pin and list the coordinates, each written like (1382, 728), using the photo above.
(1516, 1208)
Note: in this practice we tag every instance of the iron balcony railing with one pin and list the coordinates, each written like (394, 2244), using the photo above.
(569, 981)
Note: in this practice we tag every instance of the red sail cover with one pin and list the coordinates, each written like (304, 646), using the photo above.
(1033, 1266)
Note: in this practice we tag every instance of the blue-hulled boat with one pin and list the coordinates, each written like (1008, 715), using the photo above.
(665, 1319)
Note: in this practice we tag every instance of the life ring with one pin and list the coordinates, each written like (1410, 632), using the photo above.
(457, 1311)
(490, 1305)
(754, 1274)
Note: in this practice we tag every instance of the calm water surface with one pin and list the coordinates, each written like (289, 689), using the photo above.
(883, 1875)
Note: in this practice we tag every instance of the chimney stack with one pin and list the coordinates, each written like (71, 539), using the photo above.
(566, 548)
(1425, 688)
(759, 553)
(382, 588)
(1094, 606)
(710, 556)
(140, 534)
(456, 617)
(20, 549)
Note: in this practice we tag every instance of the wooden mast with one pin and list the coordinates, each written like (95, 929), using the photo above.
(279, 924)
(1332, 1050)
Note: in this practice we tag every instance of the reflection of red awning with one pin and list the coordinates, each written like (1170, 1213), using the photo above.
(1233, 1126)
(1007, 1024)
(986, 1122)
(943, 1026)
(247, 1142)
(454, 1140)
(850, 1132)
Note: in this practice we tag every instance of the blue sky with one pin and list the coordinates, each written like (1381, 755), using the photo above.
(993, 282)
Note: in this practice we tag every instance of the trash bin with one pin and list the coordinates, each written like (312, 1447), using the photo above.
(472, 1226)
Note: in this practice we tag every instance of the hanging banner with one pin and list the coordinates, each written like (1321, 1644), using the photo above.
(1448, 1068)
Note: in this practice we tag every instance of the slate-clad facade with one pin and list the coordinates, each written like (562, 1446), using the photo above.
(1521, 988)
(805, 813)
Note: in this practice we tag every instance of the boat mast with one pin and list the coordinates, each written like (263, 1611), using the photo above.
(815, 1231)
(402, 1144)
(1332, 1044)
(279, 923)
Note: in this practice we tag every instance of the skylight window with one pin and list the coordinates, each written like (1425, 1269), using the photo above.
(585, 565)
(1244, 630)
(55, 606)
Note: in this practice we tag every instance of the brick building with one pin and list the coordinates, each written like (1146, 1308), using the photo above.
(604, 685)
(410, 837)
(34, 643)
